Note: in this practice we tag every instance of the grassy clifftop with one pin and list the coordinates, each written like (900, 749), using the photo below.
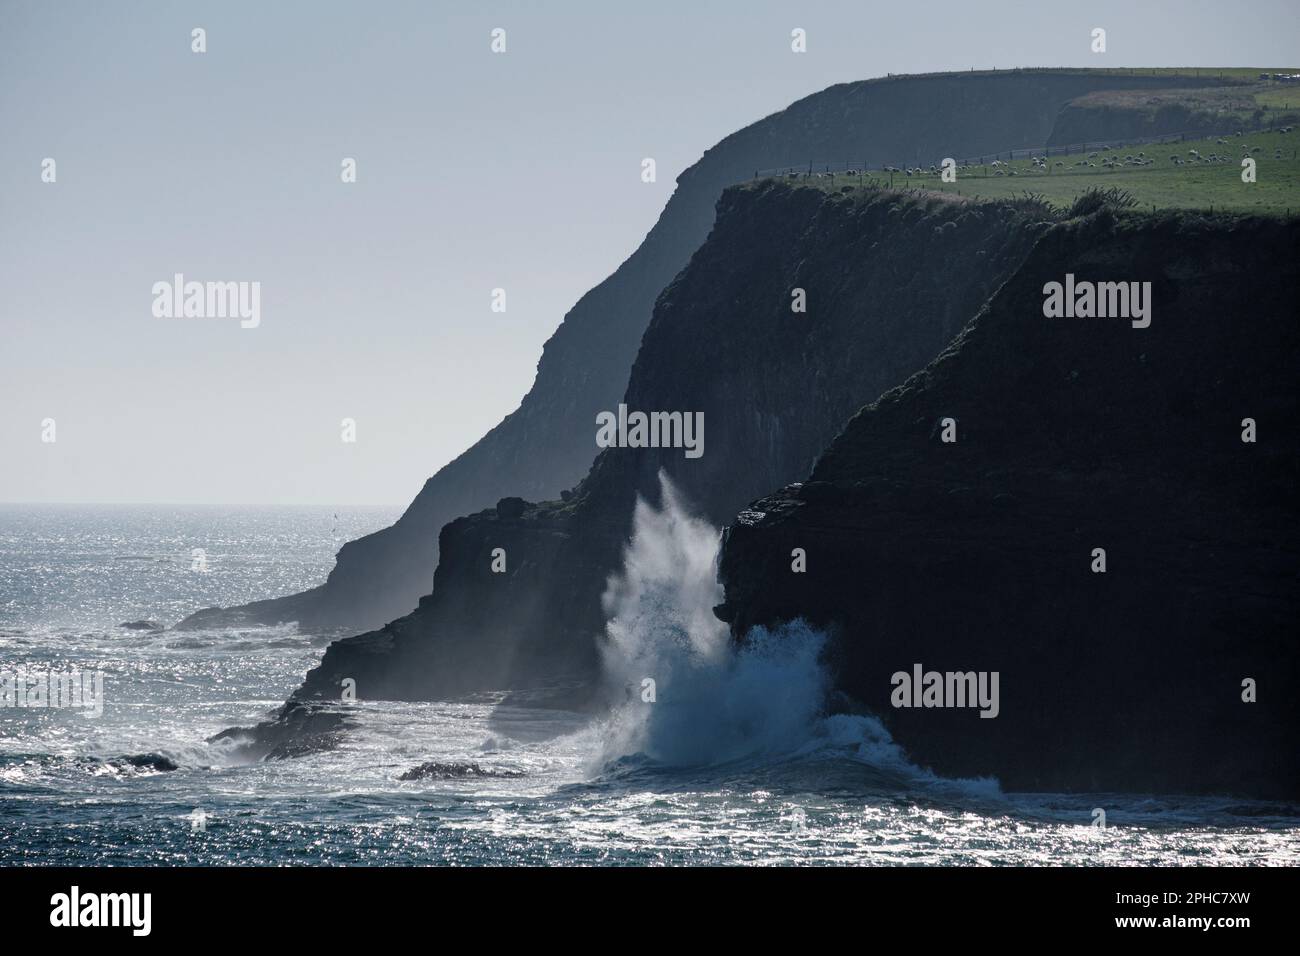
(1179, 174)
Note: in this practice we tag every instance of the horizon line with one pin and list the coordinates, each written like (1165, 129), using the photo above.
(200, 504)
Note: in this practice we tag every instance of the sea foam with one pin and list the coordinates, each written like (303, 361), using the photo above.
(716, 702)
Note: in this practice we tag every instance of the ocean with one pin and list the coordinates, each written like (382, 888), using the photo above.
(731, 762)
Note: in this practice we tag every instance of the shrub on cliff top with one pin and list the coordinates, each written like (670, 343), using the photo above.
(1097, 198)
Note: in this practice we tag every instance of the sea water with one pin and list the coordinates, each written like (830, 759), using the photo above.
(733, 761)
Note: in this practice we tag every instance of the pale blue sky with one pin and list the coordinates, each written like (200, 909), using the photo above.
(476, 171)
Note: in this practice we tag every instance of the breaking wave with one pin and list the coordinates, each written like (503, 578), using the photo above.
(690, 697)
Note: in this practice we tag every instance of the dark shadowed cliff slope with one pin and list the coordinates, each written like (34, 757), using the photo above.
(546, 445)
(1073, 434)
(889, 279)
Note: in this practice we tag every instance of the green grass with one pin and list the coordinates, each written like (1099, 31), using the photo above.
(1280, 97)
(1236, 73)
(1163, 184)
(1230, 107)
(1226, 72)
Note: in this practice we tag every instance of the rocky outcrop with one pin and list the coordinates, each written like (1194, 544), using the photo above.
(297, 730)
(888, 279)
(1073, 434)
(435, 770)
(546, 445)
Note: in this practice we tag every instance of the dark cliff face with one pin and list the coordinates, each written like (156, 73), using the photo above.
(545, 446)
(888, 278)
(1073, 434)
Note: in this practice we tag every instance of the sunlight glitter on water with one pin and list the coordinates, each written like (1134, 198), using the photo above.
(509, 784)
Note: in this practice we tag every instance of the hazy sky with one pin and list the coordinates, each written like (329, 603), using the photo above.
(475, 171)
